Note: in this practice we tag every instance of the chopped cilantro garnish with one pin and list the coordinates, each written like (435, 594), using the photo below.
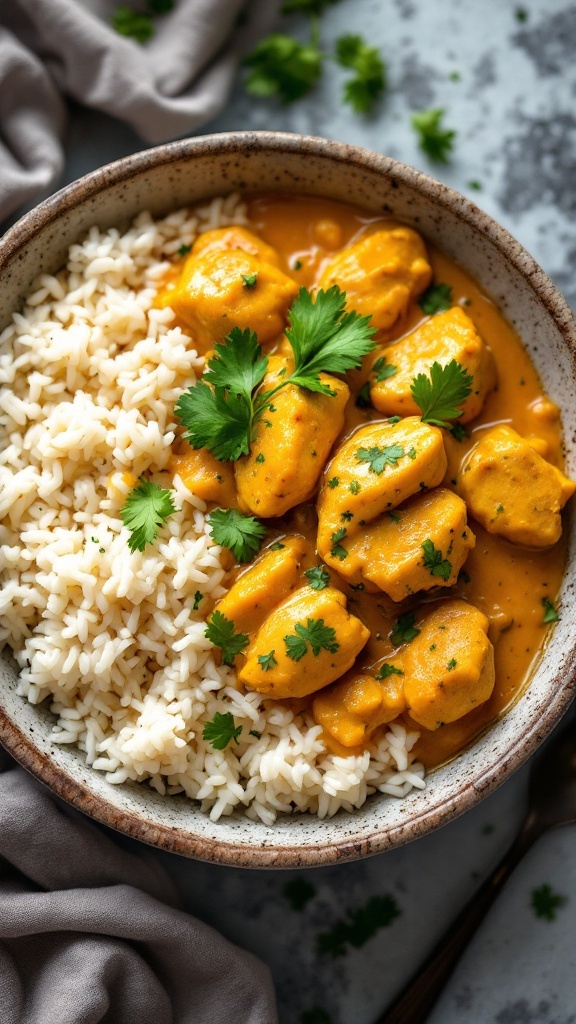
(249, 280)
(333, 482)
(378, 458)
(383, 370)
(221, 730)
(451, 664)
(439, 394)
(545, 902)
(145, 510)
(435, 562)
(337, 551)
(363, 397)
(354, 487)
(404, 630)
(254, 732)
(220, 631)
(386, 670)
(435, 140)
(358, 926)
(222, 410)
(184, 250)
(134, 24)
(550, 613)
(458, 432)
(198, 596)
(315, 634)
(261, 458)
(267, 661)
(318, 577)
(281, 66)
(242, 534)
(277, 546)
(365, 88)
(436, 299)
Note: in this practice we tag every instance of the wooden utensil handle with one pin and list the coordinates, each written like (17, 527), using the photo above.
(418, 998)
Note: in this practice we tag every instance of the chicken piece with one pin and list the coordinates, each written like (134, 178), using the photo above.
(441, 338)
(291, 445)
(204, 475)
(380, 274)
(235, 237)
(420, 545)
(449, 666)
(352, 708)
(308, 641)
(218, 290)
(372, 472)
(263, 586)
(512, 491)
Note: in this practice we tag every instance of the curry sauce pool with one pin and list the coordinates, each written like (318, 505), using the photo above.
(116, 637)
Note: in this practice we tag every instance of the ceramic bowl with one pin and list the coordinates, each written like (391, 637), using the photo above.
(186, 172)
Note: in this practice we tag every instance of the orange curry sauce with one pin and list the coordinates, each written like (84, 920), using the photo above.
(505, 581)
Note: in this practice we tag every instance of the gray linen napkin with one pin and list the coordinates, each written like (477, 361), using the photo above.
(164, 88)
(90, 932)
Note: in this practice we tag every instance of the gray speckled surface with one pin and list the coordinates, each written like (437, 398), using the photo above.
(514, 108)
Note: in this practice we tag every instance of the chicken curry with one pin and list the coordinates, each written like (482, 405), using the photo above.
(408, 559)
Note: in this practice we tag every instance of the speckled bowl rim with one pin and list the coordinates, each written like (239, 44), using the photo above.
(181, 841)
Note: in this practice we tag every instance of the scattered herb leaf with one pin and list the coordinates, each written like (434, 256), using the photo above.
(145, 510)
(404, 629)
(337, 551)
(267, 661)
(365, 88)
(383, 370)
(436, 299)
(221, 730)
(378, 458)
(220, 631)
(550, 612)
(318, 577)
(281, 66)
(298, 892)
(314, 633)
(387, 670)
(359, 926)
(434, 561)
(242, 534)
(363, 397)
(249, 280)
(434, 140)
(545, 902)
(333, 482)
(439, 394)
(134, 24)
(184, 250)
(198, 596)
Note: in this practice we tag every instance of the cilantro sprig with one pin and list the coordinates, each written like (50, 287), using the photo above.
(366, 86)
(440, 394)
(435, 562)
(222, 410)
(378, 458)
(404, 629)
(221, 730)
(221, 632)
(242, 534)
(145, 510)
(550, 612)
(281, 66)
(433, 138)
(318, 577)
(315, 635)
(436, 299)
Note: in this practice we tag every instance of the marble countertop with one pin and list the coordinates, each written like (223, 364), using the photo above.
(506, 76)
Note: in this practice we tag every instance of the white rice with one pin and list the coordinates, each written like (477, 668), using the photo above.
(90, 373)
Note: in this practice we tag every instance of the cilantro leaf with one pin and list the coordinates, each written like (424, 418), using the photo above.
(238, 364)
(134, 24)
(198, 597)
(387, 670)
(318, 577)
(242, 534)
(326, 338)
(439, 394)
(458, 432)
(337, 551)
(359, 926)
(366, 87)
(545, 902)
(550, 612)
(436, 299)
(314, 633)
(435, 140)
(363, 397)
(184, 250)
(434, 562)
(220, 631)
(383, 370)
(281, 66)
(249, 280)
(380, 457)
(267, 661)
(404, 629)
(215, 420)
(146, 508)
(221, 730)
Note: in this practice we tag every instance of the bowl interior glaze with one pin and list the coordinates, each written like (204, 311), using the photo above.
(193, 170)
